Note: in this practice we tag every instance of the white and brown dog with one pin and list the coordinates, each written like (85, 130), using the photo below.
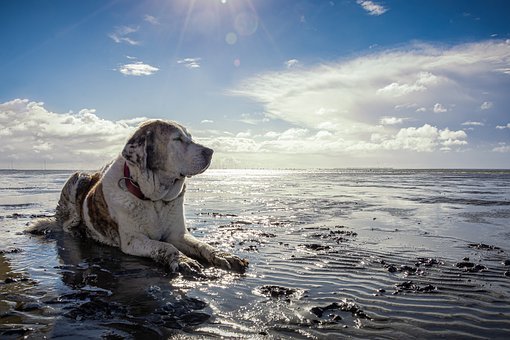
(136, 202)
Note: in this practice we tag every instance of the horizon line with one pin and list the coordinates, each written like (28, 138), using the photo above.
(295, 168)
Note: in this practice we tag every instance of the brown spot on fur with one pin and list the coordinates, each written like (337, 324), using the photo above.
(100, 218)
(84, 187)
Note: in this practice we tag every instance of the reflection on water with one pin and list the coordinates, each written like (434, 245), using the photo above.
(333, 253)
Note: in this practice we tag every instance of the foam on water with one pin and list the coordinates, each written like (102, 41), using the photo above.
(333, 253)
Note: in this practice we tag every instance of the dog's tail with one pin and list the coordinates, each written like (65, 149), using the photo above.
(43, 226)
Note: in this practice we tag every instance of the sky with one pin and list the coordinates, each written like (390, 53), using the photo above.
(265, 83)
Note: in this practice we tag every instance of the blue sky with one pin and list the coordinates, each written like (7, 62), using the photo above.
(265, 83)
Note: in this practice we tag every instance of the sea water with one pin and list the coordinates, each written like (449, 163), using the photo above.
(333, 253)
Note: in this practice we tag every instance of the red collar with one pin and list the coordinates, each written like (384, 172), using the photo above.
(131, 185)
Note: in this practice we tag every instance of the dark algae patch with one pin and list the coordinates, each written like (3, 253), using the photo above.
(428, 262)
(470, 267)
(418, 268)
(344, 306)
(11, 251)
(279, 292)
(483, 246)
(410, 286)
(315, 246)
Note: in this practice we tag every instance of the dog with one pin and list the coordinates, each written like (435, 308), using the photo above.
(136, 202)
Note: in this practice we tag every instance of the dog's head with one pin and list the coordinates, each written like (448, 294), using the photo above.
(162, 154)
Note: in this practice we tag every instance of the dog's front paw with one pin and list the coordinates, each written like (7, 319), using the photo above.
(189, 266)
(230, 262)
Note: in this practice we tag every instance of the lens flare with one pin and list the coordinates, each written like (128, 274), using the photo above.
(246, 23)
(231, 38)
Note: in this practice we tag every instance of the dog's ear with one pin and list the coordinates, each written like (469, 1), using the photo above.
(141, 150)
(135, 150)
(152, 152)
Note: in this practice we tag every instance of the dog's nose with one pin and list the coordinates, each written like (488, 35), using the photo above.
(207, 153)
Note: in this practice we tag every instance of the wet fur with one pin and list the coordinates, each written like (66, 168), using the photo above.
(160, 155)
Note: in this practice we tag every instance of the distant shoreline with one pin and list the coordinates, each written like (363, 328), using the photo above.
(295, 169)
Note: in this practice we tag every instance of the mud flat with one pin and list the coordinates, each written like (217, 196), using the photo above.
(349, 254)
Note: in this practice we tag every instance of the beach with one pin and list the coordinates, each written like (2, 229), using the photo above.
(359, 253)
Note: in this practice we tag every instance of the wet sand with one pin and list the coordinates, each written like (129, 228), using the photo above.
(337, 265)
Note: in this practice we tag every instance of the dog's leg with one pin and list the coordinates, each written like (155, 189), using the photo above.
(193, 247)
(140, 245)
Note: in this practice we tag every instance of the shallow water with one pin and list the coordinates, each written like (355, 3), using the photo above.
(333, 253)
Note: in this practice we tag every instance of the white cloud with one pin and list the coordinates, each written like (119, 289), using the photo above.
(348, 99)
(417, 139)
(448, 134)
(503, 148)
(231, 144)
(426, 76)
(406, 106)
(396, 89)
(121, 35)
(453, 142)
(426, 138)
(190, 63)
(291, 63)
(138, 69)
(43, 146)
(486, 105)
(323, 135)
(469, 123)
(207, 121)
(322, 111)
(32, 134)
(332, 109)
(132, 121)
(150, 19)
(439, 108)
(272, 135)
(391, 120)
(325, 125)
(253, 118)
(292, 134)
(371, 7)
(245, 134)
